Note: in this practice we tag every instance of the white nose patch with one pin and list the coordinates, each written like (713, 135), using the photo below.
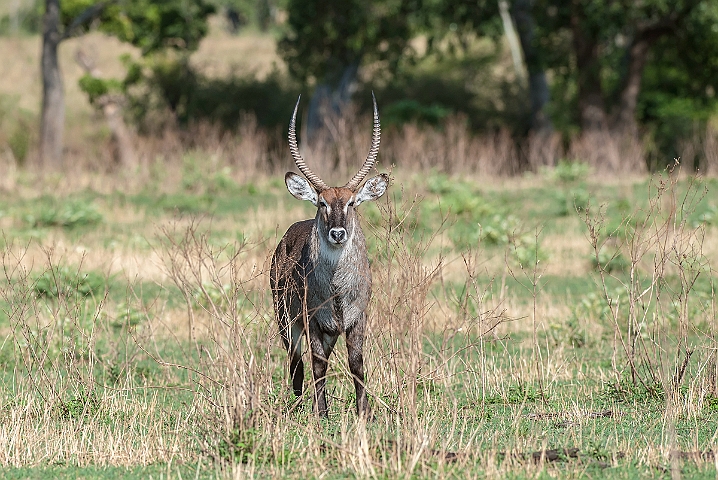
(337, 235)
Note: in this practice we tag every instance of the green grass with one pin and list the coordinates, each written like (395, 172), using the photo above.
(72, 472)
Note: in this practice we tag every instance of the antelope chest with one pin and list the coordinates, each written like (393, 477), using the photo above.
(339, 291)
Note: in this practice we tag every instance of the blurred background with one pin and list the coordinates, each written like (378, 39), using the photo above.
(495, 87)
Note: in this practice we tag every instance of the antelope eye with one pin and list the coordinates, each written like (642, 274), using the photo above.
(350, 204)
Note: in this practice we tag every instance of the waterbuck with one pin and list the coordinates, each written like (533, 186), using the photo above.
(320, 276)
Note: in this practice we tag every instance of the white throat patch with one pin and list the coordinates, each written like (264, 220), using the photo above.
(332, 252)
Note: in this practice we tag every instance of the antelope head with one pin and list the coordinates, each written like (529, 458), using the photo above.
(336, 216)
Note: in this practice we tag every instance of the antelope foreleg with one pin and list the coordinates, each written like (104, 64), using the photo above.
(321, 348)
(355, 348)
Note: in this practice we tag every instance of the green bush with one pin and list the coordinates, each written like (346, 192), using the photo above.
(72, 214)
(405, 111)
(65, 281)
(707, 217)
(566, 202)
(16, 127)
(162, 82)
(569, 332)
(127, 316)
(610, 261)
(84, 404)
(240, 445)
(210, 295)
(567, 171)
(20, 141)
(97, 87)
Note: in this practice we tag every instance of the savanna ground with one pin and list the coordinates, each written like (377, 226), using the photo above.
(557, 324)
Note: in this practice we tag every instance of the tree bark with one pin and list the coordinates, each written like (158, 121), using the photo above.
(538, 86)
(591, 107)
(112, 109)
(513, 39)
(638, 54)
(330, 99)
(53, 95)
(626, 115)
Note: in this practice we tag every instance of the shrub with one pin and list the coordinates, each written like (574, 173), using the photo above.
(64, 281)
(569, 172)
(72, 214)
(80, 406)
(610, 261)
(127, 316)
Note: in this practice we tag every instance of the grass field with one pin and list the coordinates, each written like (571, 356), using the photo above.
(139, 340)
(557, 324)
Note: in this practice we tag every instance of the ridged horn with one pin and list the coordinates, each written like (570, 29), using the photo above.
(317, 182)
(373, 151)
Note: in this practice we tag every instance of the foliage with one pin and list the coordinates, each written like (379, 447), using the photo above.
(249, 12)
(154, 25)
(568, 172)
(678, 84)
(610, 261)
(455, 22)
(660, 285)
(69, 214)
(451, 75)
(163, 82)
(209, 296)
(64, 281)
(19, 141)
(516, 394)
(405, 111)
(569, 332)
(150, 25)
(479, 221)
(708, 217)
(85, 404)
(96, 87)
(15, 128)
(626, 391)
(239, 445)
(127, 316)
(326, 37)
(428, 89)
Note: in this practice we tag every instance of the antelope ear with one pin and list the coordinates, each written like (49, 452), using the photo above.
(300, 187)
(372, 189)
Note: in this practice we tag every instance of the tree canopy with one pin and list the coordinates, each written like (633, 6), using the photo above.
(324, 37)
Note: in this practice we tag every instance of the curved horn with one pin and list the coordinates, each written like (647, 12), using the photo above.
(317, 182)
(373, 151)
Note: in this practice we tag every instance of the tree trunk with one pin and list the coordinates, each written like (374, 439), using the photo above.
(626, 115)
(330, 100)
(112, 108)
(637, 58)
(123, 138)
(512, 38)
(590, 94)
(538, 86)
(53, 96)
